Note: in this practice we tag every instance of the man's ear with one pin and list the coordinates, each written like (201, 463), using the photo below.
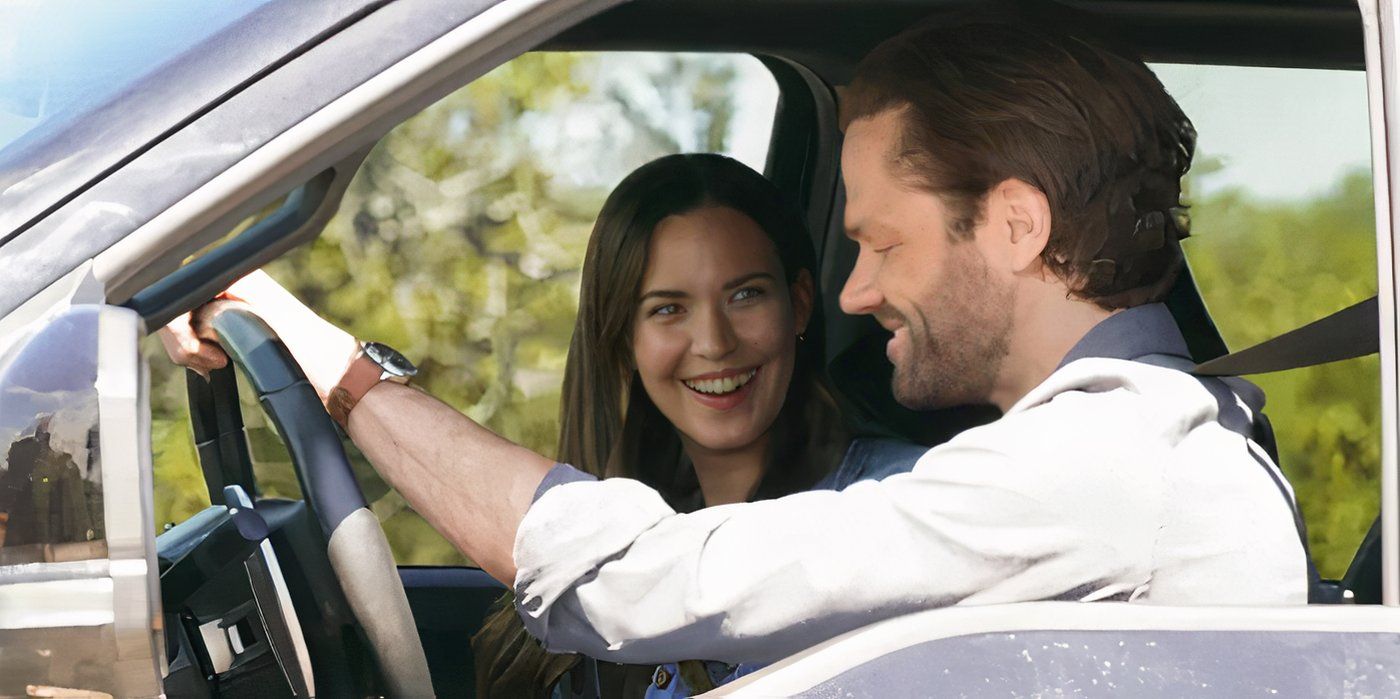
(801, 292)
(1025, 210)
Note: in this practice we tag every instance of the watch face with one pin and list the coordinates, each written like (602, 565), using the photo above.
(389, 358)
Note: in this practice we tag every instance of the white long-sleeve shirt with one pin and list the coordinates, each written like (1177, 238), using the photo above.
(1113, 479)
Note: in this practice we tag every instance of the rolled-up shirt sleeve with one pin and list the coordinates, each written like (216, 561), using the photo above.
(606, 568)
(559, 475)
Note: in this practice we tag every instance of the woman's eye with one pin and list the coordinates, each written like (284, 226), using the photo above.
(666, 310)
(885, 249)
(746, 293)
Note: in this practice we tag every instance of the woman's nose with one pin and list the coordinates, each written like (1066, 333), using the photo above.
(714, 336)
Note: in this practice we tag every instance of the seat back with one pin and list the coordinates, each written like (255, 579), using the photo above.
(1363, 578)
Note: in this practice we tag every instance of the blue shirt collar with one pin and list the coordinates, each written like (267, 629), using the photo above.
(1143, 331)
(1130, 334)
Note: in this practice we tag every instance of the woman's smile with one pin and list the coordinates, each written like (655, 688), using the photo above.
(722, 390)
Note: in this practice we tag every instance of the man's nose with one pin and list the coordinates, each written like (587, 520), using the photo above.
(714, 335)
(859, 296)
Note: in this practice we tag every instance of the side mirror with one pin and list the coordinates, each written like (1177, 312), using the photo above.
(78, 605)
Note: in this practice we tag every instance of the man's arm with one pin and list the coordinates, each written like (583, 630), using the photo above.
(468, 483)
(1013, 512)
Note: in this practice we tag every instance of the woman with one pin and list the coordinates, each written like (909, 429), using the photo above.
(696, 368)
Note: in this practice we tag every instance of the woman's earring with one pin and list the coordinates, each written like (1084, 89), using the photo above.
(801, 337)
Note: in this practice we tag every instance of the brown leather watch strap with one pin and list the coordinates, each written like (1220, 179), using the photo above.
(338, 404)
(362, 374)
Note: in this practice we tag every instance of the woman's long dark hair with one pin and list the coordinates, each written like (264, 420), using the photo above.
(609, 426)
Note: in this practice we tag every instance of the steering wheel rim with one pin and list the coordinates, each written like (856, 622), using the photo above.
(358, 551)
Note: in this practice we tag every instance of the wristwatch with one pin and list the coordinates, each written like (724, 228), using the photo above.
(374, 362)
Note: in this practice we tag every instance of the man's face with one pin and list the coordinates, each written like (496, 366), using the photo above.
(950, 314)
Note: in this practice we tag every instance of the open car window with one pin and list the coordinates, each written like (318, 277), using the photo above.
(461, 239)
(1283, 233)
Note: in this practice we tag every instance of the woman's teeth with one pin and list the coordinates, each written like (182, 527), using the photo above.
(728, 384)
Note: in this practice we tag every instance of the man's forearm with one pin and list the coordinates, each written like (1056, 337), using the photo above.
(470, 484)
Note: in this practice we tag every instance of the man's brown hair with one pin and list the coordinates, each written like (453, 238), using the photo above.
(986, 100)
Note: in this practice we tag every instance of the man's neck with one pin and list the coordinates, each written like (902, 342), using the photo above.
(1047, 326)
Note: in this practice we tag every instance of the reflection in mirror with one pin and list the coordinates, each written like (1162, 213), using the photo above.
(50, 467)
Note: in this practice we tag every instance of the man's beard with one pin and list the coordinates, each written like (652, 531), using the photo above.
(956, 352)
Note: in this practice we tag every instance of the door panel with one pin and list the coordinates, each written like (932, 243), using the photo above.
(449, 605)
(1131, 663)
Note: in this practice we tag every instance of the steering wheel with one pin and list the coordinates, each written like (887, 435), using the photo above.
(355, 544)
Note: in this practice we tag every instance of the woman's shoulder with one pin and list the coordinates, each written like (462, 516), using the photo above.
(872, 458)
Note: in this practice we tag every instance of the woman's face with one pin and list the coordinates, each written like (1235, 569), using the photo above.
(715, 335)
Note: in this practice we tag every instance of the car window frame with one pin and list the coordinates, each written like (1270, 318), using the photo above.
(1382, 85)
(471, 49)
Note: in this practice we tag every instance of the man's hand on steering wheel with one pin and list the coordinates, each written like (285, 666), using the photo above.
(190, 348)
(321, 349)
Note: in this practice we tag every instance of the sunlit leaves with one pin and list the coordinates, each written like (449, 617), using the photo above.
(1266, 268)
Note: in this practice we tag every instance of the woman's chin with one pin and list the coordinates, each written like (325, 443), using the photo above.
(724, 440)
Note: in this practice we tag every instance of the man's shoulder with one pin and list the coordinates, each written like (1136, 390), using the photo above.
(1101, 384)
(1100, 407)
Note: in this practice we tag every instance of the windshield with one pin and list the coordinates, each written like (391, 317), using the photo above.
(61, 58)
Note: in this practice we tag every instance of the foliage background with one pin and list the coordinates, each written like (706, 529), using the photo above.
(460, 243)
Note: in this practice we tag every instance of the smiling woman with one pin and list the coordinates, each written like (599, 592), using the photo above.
(714, 336)
(707, 362)
(695, 368)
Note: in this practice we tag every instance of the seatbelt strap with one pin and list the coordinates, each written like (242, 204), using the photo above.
(1351, 332)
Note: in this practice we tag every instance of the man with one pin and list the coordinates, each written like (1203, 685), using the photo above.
(1013, 191)
(43, 496)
